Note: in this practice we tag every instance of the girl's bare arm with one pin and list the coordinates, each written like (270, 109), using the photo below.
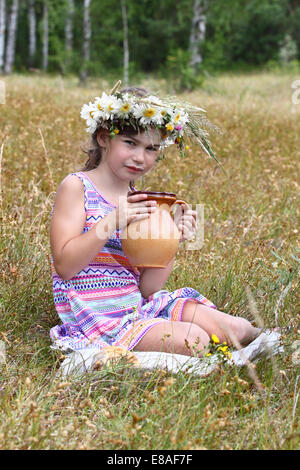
(71, 249)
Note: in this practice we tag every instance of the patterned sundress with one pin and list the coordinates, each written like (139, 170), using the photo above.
(102, 304)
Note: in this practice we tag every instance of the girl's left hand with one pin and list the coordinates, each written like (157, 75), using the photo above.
(185, 219)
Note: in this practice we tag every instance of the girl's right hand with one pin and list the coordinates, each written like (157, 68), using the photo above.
(135, 208)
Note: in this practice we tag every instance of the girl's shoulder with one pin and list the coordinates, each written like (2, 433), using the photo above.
(70, 194)
(72, 182)
(70, 188)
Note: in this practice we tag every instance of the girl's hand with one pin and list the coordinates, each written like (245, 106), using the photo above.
(185, 219)
(135, 208)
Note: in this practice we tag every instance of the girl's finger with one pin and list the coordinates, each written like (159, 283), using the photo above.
(188, 223)
(143, 204)
(142, 210)
(189, 219)
(137, 197)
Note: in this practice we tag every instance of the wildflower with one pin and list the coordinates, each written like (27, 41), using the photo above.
(169, 127)
(222, 348)
(107, 106)
(214, 338)
(147, 114)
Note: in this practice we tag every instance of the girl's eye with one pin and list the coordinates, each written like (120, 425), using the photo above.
(130, 142)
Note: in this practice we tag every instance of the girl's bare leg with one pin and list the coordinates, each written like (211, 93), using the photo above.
(223, 325)
(174, 337)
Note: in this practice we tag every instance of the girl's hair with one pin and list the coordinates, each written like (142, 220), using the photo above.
(94, 152)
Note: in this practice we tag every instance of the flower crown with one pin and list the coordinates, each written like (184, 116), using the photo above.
(177, 121)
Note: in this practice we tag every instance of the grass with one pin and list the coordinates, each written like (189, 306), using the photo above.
(248, 266)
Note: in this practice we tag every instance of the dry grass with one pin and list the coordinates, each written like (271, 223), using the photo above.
(249, 266)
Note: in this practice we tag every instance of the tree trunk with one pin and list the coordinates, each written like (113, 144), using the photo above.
(125, 42)
(69, 26)
(86, 39)
(45, 36)
(197, 32)
(32, 32)
(2, 32)
(11, 37)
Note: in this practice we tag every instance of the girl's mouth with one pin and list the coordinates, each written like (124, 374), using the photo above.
(134, 169)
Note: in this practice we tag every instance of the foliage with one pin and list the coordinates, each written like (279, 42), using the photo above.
(180, 75)
(238, 33)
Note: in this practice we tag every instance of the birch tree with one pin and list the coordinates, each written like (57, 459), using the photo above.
(2, 32)
(32, 31)
(11, 37)
(125, 42)
(87, 32)
(198, 31)
(69, 26)
(45, 35)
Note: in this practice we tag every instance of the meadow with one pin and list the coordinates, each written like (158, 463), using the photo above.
(248, 265)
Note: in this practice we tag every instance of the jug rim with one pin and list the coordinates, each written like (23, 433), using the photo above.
(153, 193)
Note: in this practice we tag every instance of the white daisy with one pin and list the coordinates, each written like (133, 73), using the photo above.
(167, 142)
(179, 117)
(92, 126)
(107, 105)
(125, 107)
(87, 111)
(147, 114)
(154, 100)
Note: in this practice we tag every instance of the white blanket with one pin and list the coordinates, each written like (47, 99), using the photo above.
(266, 344)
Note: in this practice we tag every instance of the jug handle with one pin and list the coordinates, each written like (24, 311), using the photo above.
(181, 202)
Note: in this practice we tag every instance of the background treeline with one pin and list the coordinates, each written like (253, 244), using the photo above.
(93, 37)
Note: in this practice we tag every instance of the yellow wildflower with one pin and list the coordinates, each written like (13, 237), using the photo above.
(169, 127)
(222, 348)
(215, 338)
(116, 131)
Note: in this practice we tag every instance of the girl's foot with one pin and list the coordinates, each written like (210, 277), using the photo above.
(258, 332)
(248, 339)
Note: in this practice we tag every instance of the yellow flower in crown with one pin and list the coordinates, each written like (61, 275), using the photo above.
(169, 127)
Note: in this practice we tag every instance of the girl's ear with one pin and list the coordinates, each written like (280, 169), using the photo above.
(102, 138)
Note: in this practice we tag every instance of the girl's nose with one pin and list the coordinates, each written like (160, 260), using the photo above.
(138, 155)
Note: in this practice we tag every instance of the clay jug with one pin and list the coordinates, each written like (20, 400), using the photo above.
(153, 242)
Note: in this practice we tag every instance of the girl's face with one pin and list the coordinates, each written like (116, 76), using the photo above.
(131, 156)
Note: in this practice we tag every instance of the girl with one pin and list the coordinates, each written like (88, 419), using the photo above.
(100, 298)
